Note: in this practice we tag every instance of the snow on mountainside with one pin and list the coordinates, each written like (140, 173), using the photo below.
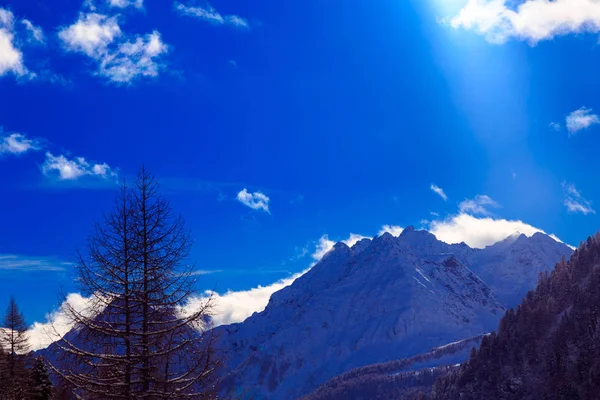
(383, 299)
(511, 267)
(395, 379)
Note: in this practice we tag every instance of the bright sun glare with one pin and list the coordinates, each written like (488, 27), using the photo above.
(448, 8)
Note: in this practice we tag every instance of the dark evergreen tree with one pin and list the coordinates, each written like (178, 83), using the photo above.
(15, 343)
(4, 379)
(40, 385)
(14, 336)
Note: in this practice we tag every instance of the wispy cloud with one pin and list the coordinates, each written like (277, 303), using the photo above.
(256, 200)
(13, 262)
(16, 144)
(300, 252)
(531, 20)
(126, 3)
(324, 245)
(58, 167)
(554, 126)
(575, 202)
(581, 119)
(11, 57)
(36, 33)
(209, 14)
(119, 57)
(439, 191)
(199, 272)
(64, 168)
(478, 206)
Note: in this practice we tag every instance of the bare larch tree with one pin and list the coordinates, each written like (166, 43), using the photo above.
(132, 338)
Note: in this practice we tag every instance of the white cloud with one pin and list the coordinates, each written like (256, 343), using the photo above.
(7, 19)
(530, 20)
(354, 238)
(91, 34)
(574, 202)
(236, 306)
(439, 191)
(36, 33)
(394, 230)
(11, 58)
(72, 169)
(13, 262)
(478, 205)
(120, 58)
(199, 272)
(209, 14)
(134, 59)
(126, 3)
(555, 126)
(479, 232)
(581, 119)
(58, 323)
(323, 246)
(17, 143)
(256, 200)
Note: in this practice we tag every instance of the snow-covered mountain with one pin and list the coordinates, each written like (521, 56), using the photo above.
(383, 299)
(511, 267)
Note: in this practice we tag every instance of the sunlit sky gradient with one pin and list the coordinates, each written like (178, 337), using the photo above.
(336, 118)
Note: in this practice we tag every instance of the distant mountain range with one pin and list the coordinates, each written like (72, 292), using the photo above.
(385, 299)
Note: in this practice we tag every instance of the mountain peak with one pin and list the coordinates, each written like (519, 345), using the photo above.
(387, 236)
(383, 240)
(511, 267)
(340, 245)
(360, 245)
(417, 237)
(541, 236)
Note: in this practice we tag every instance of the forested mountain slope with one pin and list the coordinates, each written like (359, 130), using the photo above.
(548, 348)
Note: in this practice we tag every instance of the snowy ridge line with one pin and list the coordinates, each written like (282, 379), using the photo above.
(398, 375)
(405, 364)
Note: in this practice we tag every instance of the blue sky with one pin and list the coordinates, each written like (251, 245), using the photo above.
(277, 127)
